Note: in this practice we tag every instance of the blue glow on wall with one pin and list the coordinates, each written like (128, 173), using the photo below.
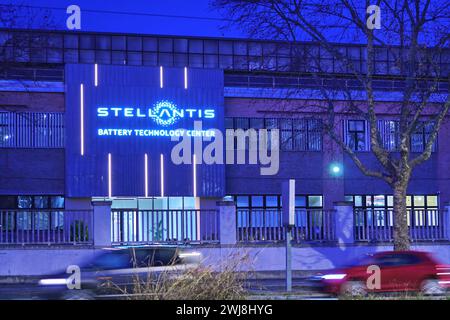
(129, 115)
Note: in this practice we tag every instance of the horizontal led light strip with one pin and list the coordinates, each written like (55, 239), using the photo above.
(161, 77)
(82, 119)
(109, 176)
(162, 174)
(146, 174)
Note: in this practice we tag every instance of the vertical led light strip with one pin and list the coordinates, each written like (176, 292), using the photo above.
(162, 174)
(194, 175)
(185, 78)
(82, 119)
(161, 77)
(146, 175)
(96, 75)
(109, 176)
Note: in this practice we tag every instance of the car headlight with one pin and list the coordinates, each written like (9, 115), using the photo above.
(190, 257)
(184, 255)
(52, 282)
(338, 276)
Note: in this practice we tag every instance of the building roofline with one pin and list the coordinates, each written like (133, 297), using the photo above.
(108, 33)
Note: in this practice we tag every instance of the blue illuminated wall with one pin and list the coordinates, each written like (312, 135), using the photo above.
(138, 89)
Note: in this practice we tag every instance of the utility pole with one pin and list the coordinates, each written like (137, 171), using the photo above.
(288, 259)
(288, 198)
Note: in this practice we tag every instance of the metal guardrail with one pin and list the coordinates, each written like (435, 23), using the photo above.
(39, 73)
(164, 226)
(377, 225)
(42, 226)
(310, 82)
(265, 225)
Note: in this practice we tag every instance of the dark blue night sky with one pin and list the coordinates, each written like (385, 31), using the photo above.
(188, 18)
(171, 17)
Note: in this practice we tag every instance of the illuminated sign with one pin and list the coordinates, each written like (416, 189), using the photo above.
(164, 113)
(155, 133)
(125, 122)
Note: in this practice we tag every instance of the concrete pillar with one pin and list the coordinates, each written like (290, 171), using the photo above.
(446, 220)
(332, 183)
(102, 223)
(344, 222)
(227, 222)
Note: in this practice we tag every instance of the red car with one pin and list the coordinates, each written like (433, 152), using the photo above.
(399, 271)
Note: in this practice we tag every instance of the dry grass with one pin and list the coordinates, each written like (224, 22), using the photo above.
(197, 282)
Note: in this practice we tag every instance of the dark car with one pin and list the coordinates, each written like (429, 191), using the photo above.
(115, 268)
(399, 271)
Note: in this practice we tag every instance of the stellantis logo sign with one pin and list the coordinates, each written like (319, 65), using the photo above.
(164, 113)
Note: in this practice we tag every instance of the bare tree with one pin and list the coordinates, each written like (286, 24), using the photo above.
(16, 47)
(19, 52)
(416, 32)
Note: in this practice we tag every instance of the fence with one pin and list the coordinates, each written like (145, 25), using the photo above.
(378, 225)
(266, 226)
(164, 226)
(46, 227)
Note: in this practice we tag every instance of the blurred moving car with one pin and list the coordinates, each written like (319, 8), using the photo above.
(400, 271)
(114, 268)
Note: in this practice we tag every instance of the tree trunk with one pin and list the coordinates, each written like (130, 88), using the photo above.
(401, 230)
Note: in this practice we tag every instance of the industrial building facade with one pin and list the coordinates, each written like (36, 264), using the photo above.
(62, 93)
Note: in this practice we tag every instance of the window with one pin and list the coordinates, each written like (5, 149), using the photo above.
(31, 202)
(421, 136)
(6, 129)
(265, 210)
(387, 201)
(8, 202)
(120, 259)
(226, 47)
(180, 45)
(134, 43)
(390, 135)
(31, 130)
(28, 212)
(25, 46)
(423, 209)
(87, 42)
(394, 260)
(195, 46)
(356, 135)
(286, 134)
(295, 134)
(150, 44)
(315, 201)
(103, 57)
(134, 58)
(57, 202)
(71, 41)
(118, 43)
(211, 46)
(165, 45)
(274, 201)
(103, 43)
(156, 203)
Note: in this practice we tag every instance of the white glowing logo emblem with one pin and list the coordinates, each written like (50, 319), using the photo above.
(165, 113)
